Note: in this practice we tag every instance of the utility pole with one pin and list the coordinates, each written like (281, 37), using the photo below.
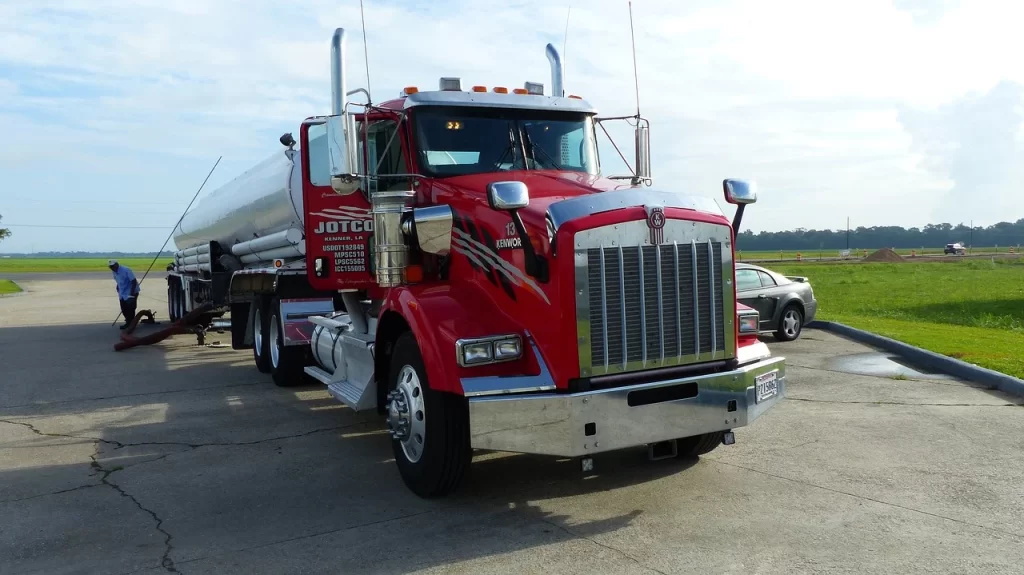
(970, 243)
(847, 232)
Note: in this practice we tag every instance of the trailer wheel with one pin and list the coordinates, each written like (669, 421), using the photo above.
(286, 363)
(698, 445)
(171, 311)
(260, 336)
(429, 429)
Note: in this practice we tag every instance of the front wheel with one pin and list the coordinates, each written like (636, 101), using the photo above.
(697, 445)
(790, 324)
(429, 429)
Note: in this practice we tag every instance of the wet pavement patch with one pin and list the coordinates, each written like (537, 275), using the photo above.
(882, 364)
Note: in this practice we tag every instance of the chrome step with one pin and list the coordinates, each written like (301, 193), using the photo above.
(356, 397)
(318, 374)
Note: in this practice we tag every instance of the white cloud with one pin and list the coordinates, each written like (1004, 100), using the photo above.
(822, 101)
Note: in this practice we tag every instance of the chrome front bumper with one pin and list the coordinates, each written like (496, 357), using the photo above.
(571, 425)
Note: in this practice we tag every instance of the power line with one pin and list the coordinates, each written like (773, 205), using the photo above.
(94, 201)
(89, 227)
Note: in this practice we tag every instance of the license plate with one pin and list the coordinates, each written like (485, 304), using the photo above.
(766, 386)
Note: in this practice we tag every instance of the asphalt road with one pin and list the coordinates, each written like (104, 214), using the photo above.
(175, 458)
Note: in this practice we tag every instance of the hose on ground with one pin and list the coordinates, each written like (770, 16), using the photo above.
(187, 324)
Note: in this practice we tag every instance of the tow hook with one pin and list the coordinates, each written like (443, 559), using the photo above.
(662, 450)
(728, 438)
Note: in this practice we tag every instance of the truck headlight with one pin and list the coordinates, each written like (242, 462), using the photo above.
(749, 322)
(484, 350)
(473, 353)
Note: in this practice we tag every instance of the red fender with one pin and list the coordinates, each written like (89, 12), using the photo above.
(440, 315)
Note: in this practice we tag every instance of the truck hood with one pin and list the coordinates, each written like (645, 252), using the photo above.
(546, 187)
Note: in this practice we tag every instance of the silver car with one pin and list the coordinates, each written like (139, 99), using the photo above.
(785, 303)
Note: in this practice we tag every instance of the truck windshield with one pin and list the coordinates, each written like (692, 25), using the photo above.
(453, 141)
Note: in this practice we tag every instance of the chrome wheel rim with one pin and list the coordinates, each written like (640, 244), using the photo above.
(275, 352)
(257, 329)
(407, 414)
(791, 323)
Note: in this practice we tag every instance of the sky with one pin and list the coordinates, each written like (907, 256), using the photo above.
(901, 112)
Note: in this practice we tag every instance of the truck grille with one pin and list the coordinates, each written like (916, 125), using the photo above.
(649, 306)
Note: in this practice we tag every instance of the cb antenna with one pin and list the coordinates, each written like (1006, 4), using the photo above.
(565, 40)
(636, 81)
(366, 53)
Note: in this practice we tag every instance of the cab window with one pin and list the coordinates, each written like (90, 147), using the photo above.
(383, 159)
(319, 169)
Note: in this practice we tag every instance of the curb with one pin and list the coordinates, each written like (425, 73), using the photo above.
(930, 359)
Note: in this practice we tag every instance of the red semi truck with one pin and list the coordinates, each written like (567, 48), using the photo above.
(456, 260)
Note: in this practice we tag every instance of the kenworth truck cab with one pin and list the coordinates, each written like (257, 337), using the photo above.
(500, 292)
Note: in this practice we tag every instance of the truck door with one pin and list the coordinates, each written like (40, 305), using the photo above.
(338, 228)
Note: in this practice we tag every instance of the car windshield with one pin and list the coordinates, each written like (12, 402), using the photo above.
(454, 141)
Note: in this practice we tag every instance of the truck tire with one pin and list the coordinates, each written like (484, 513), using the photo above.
(434, 454)
(260, 336)
(286, 363)
(697, 445)
(172, 313)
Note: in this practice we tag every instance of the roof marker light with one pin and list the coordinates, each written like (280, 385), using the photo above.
(519, 91)
(575, 97)
(535, 88)
(409, 90)
(500, 90)
(451, 84)
(479, 88)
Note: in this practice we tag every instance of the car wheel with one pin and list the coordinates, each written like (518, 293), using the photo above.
(790, 324)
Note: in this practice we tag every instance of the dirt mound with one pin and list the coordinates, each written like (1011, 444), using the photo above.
(885, 255)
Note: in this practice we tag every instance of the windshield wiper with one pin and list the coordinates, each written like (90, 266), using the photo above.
(533, 152)
(510, 148)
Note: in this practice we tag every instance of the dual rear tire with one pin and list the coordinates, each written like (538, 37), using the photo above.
(270, 354)
(175, 299)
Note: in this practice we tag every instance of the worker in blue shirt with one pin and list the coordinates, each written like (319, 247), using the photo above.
(127, 290)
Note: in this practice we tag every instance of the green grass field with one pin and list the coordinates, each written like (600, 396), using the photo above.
(971, 310)
(813, 255)
(31, 265)
(7, 286)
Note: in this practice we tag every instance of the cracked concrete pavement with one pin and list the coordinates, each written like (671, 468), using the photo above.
(181, 459)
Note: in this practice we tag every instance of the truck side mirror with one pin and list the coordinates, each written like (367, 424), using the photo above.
(741, 193)
(343, 177)
(510, 197)
(507, 196)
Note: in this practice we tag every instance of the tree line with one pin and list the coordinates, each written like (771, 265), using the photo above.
(930, 236)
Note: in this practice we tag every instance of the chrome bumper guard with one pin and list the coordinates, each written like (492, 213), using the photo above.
(578, 424)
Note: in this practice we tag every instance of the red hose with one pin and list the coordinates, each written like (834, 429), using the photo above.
(186, 324)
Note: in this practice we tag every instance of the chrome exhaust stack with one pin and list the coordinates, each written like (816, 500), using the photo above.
(339, 81)
(341, 136)
(557, 75)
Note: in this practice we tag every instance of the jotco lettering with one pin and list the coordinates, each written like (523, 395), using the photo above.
(354, 226)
